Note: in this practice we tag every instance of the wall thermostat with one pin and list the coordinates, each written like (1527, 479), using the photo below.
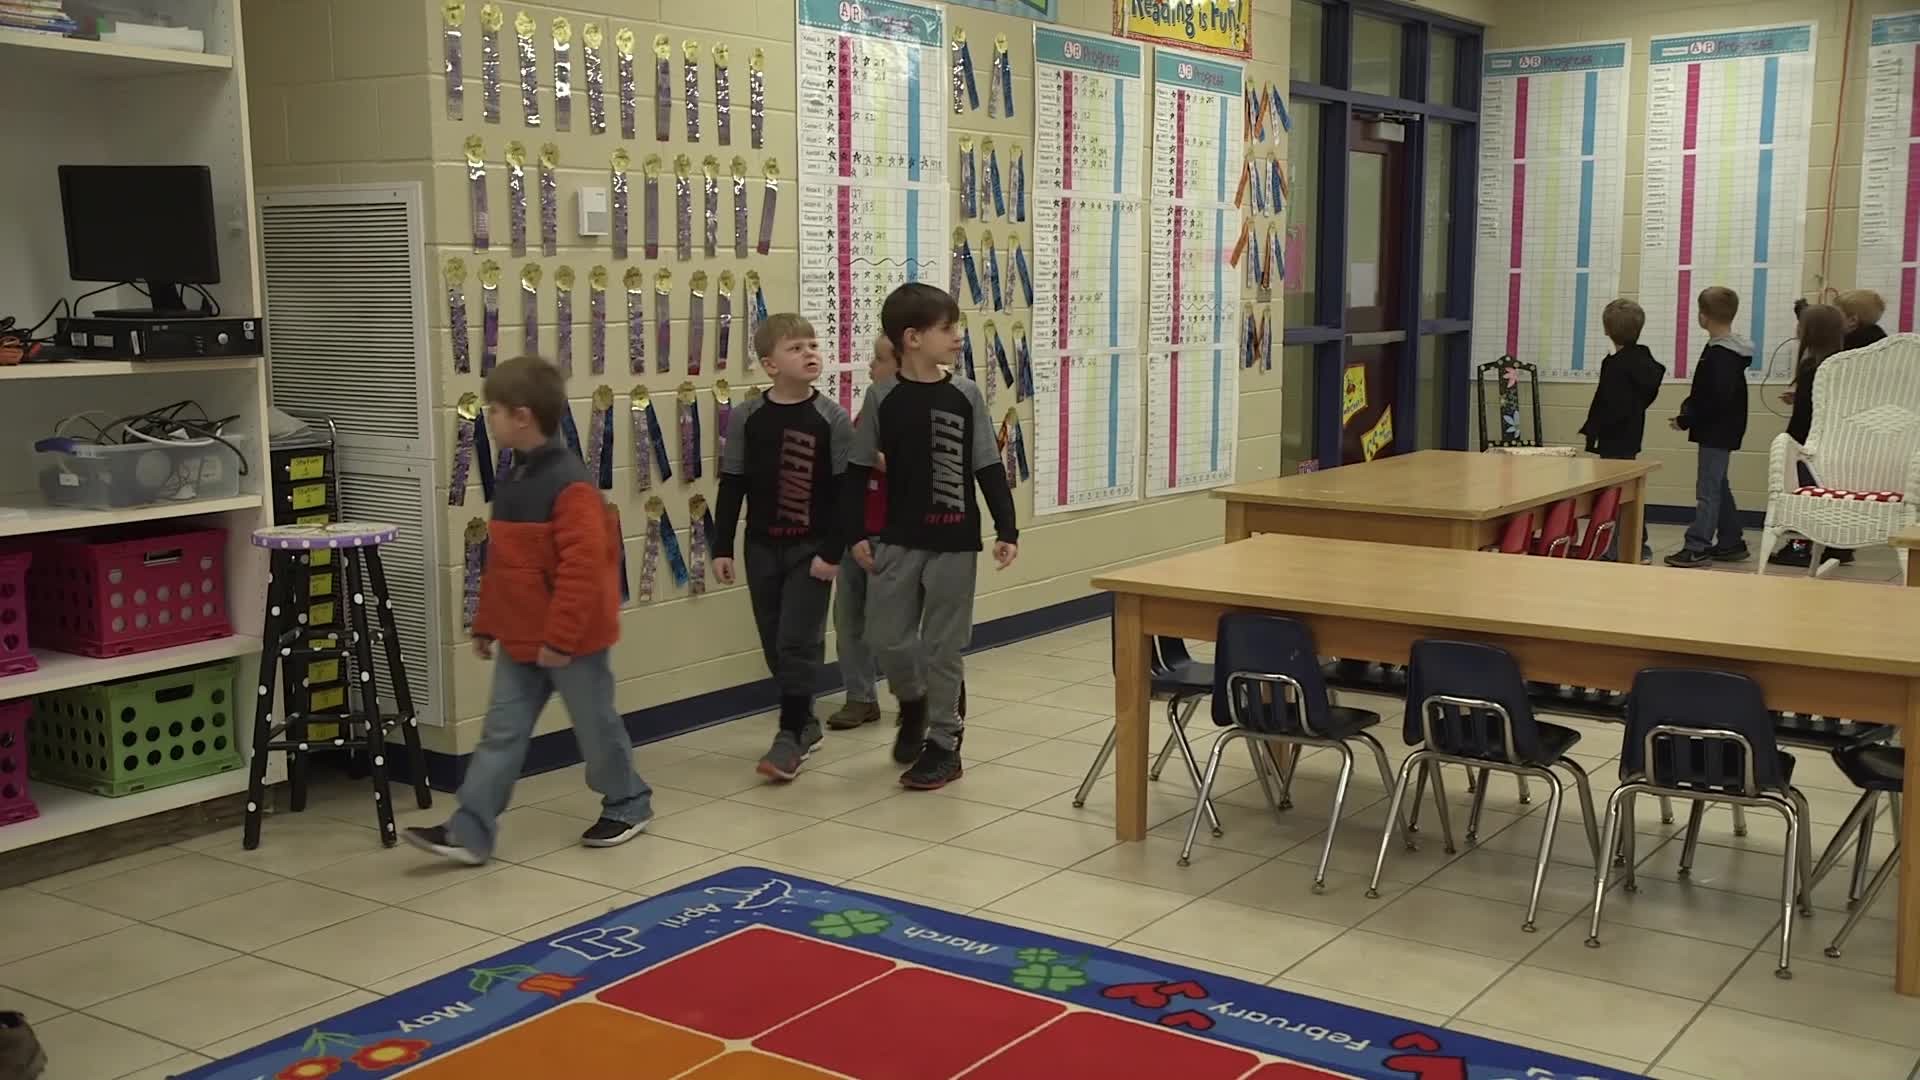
(594, 220)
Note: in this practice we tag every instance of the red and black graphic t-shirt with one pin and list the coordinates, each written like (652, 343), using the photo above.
(937, 438)
(787, 461)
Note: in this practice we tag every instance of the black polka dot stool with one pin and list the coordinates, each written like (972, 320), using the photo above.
(285, 643)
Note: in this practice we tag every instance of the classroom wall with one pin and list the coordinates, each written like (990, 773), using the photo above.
(350, 91)
(1833, 177)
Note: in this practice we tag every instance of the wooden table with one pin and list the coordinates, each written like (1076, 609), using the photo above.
(1433, 498)
(1581, 623)
(1906, 541)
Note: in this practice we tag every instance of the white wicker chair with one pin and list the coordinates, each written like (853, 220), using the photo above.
(1864, 449)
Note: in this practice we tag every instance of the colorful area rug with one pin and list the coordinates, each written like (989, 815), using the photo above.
(750, 975)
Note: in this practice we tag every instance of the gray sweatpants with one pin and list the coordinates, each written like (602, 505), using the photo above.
(857, 664)
(919, 619)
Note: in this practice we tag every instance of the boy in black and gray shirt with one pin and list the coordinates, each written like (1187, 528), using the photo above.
(785, 458)
(938, 442)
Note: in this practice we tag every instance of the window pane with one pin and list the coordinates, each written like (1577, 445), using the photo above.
(1376, 55)
(1296, 405)
(1436, 220)
(1303, 215)
(1309, 31)
(1430, 422)
(1440, 68)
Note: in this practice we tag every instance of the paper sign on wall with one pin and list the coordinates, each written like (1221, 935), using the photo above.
(1379, 438)
(1354, 397)
(1215, 26)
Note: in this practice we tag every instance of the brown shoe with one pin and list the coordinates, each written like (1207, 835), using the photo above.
(20, 1055)
(853, 714)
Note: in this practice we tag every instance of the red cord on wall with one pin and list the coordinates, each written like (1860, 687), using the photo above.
(1833, 163)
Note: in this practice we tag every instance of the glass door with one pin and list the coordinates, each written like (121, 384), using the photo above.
(1375, 294)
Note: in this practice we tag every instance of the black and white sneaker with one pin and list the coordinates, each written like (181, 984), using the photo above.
(439, 841)
(936, 768)
(610, 833)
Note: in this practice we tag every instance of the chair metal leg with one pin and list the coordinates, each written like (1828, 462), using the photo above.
(1692, 842)
(1473, 812)
(1666, 810)
(1615, 803)
(1413, 808)
(1333, 823)
(1206, 791)
(1179, 711)
(1440, 807)
(1475, 780)
(1414, 764)
(1386, 774)
(1866, 901)
(1264, 769)
(1583, 786)
(1629, 858)
(1802, 851)
(1831, 856)
(1526, 794)
(1863, 853)
(1285, 776)
(1193, 773)
(1546, 853)
(1093, 771)
(1739, 820)
(1790, 864)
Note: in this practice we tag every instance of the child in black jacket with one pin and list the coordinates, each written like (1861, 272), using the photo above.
(1714, 416)
(1629, 381)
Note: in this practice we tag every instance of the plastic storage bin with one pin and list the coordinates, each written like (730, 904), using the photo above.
(15, 803)
(74, 473)
(15, 659)
(129, 590)
(137, 734)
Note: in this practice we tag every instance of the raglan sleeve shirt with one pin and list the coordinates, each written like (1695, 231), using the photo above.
(863, 444)
(832, 521)
(988, 470)
(733, 480)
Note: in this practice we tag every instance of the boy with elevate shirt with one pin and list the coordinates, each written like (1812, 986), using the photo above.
(933, 429)
(550, 600)
(785, 456)
(1629, 381)
(857, 668)
(1714, 416)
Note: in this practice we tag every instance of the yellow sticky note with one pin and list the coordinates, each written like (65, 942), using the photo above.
(1354, 398)
(1379, 437)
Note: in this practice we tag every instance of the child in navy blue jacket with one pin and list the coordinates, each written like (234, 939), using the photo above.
(1714, 416)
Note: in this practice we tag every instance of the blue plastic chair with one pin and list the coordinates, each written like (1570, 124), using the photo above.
(1268, 688)
(1467, 704)
(1877, 770)
(1176, 678)
(1705, 736)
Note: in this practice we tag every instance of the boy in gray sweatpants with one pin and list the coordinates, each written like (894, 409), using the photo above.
(938, 442)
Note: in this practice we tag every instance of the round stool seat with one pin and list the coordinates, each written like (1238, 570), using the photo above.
(336, 534)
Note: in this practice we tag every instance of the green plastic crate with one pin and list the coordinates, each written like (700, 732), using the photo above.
(136, 734)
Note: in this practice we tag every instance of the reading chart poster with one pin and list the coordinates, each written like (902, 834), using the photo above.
(1193, 304)
(873, 110)
(1552, 190)
(1729, 118)
(1089, 208)
(1890, 168)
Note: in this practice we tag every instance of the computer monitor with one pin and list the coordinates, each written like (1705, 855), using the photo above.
(146, 223)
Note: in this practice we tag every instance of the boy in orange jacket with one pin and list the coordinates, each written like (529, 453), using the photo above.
(550, 601)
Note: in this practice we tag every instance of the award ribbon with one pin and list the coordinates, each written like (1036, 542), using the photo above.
(597, 320)
(966, 91)
(474, 558)
(739, 169)
(963, 260)
(1021, 271)
(455, 271)
(756, 303)
(516, 199)
(992, 181)
(723, 305)
(1000, 361)
(650, 560)
(663, 320)
(966, 347)
(757, 99)
(600, 438)
(1019, 170)
(591, 38)
(563, 319)
(1249, 337)
(452, 13)
(662, 88)
(1019, 441)
(621, 161)
(683, 207)
(699, 527)
(620, 537)
(477, 191)
(562, 74)
(969, 188)
(710, 209)
(696, 320)
(634, 283)
(623, 48)
(530, 308)
(1023, 357)
(722, 96)
(489, 315)
(993, 270)
(1280, 108)
(670, 543)
(722, 416)
(768, 204)
(571, 432)
(466, 415)
(523, 27)
(549, 200)
(640, 418)
(1266, 341)
(490, 23)
(690, 83)
(650, 210)
(687, 404)
(1003, 69)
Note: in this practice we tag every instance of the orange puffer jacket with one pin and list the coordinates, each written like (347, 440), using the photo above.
(553, 560)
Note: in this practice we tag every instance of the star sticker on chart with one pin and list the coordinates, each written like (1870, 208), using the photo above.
(773, 891)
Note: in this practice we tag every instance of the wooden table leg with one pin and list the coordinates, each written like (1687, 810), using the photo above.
(1913, 567)
(1906, 970)
(1633, 521)
(1237, 522)
(1130, 693)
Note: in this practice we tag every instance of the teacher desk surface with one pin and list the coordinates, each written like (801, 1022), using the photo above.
(1806, 642)
(1432, 498)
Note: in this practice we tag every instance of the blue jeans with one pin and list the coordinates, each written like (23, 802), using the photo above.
(520, 691)
(1716, 520)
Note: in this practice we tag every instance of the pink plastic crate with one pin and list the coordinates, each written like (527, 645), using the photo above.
(15, 804)
(14, 657)
(131, 590)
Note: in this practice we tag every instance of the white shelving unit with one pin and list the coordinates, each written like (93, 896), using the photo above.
(126, 105)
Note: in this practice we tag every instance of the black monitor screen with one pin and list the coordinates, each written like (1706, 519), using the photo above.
(140, 223)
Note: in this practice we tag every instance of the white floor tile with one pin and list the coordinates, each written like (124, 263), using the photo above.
(83, 1047)
(1038, 838)
(218, 1002)
(1727, 1044)
(36, 922)
(1601, 1016)
(346, 952)
(166, 887)
(1410, 973)
(310, 1017)
(956, 876)
(645, 858)
(1664, 963)
(504, 902)
(1096, 905)
(836, 850)
(1822, 995)
(911, 813)
(1244, 937)
(89, 972)
(253, 920)
(1580, 1054)
(1457, 921)
(729, 825)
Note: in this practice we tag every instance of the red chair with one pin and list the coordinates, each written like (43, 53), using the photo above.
(1518, 536)
(1601, 524)
(1556, 536)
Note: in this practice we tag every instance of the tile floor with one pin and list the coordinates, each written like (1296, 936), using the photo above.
(153, 963)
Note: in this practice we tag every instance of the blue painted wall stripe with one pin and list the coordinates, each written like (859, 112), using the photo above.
(1580, 297)
(1588, 111)
(1769, 91)
(1759, 311)
(1113, 420)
